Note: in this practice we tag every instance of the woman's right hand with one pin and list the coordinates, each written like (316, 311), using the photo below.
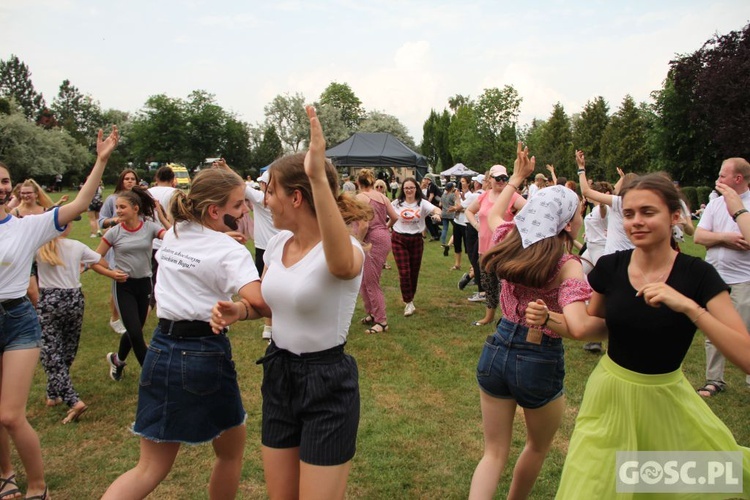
(119, 276)
(223, 314)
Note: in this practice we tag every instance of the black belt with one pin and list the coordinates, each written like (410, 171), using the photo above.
(325, 357)
(187, 329)
(8, 304)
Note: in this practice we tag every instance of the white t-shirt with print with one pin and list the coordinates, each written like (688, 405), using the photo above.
(198, 267)
(411, 216)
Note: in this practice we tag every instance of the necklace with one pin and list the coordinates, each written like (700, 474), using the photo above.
(658, 278)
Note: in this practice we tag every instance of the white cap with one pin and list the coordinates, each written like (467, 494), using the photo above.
(478, 178)
(263, 177)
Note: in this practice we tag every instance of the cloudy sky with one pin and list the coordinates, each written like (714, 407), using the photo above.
(401, 57)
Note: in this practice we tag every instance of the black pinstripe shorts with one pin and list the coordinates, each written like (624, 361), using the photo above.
(311, 401)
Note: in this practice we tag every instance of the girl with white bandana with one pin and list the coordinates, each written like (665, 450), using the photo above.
(522, 366)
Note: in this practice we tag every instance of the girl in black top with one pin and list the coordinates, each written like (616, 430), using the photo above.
(652, 299)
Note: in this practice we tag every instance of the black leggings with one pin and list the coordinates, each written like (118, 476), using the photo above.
(472, 250)
(132, 301)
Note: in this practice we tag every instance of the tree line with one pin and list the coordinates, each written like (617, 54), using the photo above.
(697, 118)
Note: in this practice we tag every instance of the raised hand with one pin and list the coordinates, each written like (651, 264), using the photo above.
(315, 159)
(523, 166)
(620, 172)
(580, 159)
(551, 169)
(104, 147)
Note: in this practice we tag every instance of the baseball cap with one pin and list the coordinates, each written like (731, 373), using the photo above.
(478, 178)
(264, 177)
(498, 170)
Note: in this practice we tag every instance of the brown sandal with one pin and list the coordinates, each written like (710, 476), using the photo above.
(377, 328)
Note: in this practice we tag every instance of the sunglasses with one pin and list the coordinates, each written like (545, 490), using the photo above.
(501, 178)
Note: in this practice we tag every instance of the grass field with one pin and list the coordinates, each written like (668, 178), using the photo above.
(420, 434)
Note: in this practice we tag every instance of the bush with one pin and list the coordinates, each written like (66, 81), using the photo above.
(703, 192)
(691, 195)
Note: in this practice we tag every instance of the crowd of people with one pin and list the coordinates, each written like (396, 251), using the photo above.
(628, 285)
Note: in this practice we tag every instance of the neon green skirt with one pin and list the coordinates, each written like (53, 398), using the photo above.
(624, 410)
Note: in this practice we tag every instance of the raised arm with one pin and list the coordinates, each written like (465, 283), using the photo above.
(104, 148)
(586, 191)
(523, 166)
(343, 258)
(551, 170)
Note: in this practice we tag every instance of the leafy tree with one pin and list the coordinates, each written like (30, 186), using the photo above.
(624, 142)
(80, 115)
(269, 149)
(333, 123)
(342, 97)
(556, 147)
(32, 151)
(457, 101)
(159, 132)
(287, 114)
(205, 125)
(236, 139)
(703, 108)
(15, 82)
(378, 121)
(466, 145)
(588, 130)
(496, 111)
(436, 140)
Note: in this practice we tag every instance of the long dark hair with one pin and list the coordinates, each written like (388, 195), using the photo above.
(418, 194)
(121, 180)
(139, 197)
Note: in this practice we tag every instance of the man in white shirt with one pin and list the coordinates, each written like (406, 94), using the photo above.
(729, 253)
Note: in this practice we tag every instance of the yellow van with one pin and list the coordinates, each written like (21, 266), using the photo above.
(182, 176)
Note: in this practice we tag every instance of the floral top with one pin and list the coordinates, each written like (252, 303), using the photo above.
(514, 297)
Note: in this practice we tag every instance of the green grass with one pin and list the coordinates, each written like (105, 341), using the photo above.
(420, 434)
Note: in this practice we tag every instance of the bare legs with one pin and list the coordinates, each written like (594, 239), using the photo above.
(17, 369)
(497, 418)
(289, 478)
(157, 459)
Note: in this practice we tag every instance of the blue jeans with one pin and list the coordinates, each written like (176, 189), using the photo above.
(444, 233)
(512, 368)
(19, 328)
(188, 390)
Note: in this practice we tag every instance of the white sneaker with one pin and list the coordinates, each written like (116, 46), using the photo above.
(267, 332)
(477, 297)
(117, 326)
(409, 309)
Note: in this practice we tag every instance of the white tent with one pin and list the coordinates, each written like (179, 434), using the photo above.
(459, 170)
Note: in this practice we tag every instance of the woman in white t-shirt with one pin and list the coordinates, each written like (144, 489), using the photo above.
(20, 333)
(60, 310)
(310, 385)
(188, 368)
(406, 239)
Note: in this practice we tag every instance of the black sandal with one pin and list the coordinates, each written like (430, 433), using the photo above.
(367, 320)
(12, 493)
(43, 496)
(377, 328)
(712, 388)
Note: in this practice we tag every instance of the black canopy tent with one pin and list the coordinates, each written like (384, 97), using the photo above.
(373, 150)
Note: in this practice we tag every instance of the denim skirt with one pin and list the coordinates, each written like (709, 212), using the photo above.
(512, 368)
(188, 390)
